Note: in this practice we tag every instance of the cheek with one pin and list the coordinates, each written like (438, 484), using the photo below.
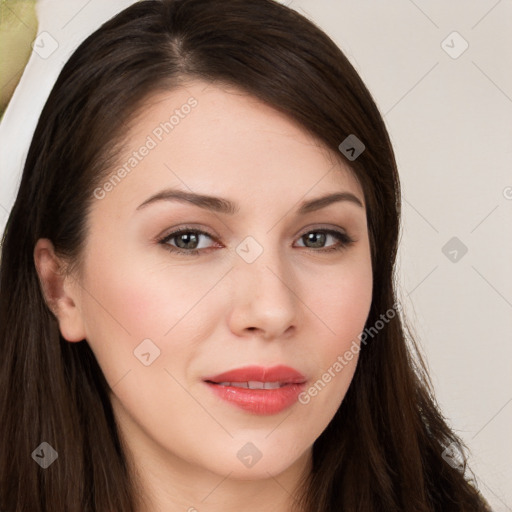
(342, 302)
(144, 299)
(131, 298)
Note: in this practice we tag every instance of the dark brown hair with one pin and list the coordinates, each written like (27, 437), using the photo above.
(384, 450)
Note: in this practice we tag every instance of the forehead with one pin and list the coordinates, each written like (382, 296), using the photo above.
(204, 137)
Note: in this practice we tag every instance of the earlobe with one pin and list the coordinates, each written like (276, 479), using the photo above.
(59, 290)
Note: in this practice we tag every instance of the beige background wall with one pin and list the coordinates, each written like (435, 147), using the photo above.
(449, 111)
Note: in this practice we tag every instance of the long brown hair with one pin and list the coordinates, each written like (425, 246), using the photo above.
(385, 449)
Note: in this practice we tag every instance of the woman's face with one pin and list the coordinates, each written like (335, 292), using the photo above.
(248, 289)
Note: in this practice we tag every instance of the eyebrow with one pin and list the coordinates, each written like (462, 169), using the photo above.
(222, 205)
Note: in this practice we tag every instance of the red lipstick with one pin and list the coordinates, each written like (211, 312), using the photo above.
(259, 390)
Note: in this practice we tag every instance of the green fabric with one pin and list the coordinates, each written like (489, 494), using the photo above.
(18, 28)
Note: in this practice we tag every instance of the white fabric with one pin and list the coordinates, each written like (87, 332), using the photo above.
(65, 23)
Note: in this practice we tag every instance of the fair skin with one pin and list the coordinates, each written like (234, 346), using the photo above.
(295, 304)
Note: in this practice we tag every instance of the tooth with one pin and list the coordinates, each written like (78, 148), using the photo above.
(239, 384)
(254, 384)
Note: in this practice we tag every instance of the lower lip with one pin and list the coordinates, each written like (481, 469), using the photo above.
(259, 401)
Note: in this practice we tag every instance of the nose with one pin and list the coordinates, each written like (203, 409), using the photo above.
(265, 299)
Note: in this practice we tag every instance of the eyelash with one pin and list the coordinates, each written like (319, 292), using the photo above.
(344, 239)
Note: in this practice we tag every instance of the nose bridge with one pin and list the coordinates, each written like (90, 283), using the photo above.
(264, 296)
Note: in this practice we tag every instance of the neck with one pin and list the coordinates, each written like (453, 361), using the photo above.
(170, 486)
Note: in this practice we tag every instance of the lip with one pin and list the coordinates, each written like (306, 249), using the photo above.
(278, 373)
(259, 401)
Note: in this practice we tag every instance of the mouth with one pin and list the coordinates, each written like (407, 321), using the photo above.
(258, 390)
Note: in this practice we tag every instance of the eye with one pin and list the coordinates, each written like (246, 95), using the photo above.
(317, 241)
(186, 240)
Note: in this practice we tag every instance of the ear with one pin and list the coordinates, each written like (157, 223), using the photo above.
(60, 290)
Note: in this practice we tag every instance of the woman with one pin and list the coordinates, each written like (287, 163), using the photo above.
(171, 339)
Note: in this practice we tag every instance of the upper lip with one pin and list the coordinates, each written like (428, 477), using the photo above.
(281, 373)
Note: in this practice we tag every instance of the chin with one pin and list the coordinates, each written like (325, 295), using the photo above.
(260, 471)
(247, 462)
